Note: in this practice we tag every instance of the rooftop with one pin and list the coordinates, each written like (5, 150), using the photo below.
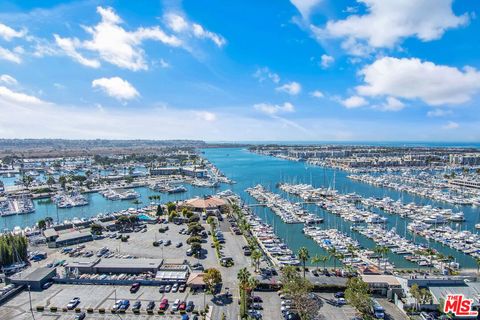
(205, 203)
(133, 263)
(36, 275)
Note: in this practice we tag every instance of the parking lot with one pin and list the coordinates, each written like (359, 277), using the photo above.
(139, 244)
(92, 296)
(330, 311)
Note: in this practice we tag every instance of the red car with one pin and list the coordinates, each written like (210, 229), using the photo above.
(182, 305)
(164, 304)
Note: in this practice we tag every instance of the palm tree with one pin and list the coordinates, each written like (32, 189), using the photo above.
(352, 250)
(430, 252)
(381, 251)
(136, 203)
(332, 253)
(256, 256)
(340, 256)
(316, 260)
(477, 260)
(324, 259)
(303, 255)
(243, 276)
(441, 258)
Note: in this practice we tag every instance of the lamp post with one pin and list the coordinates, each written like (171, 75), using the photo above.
(30, 300)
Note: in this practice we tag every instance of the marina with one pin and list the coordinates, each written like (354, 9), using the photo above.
(287, 211)
(249, 170)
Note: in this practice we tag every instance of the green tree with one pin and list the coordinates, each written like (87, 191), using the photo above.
(136, 202)
(27, 180)
(299, 288)
(243, 276)
(303, 255)
(256, 256)
(332, 253)
(42, 225)
(159, 210)
(316, 259)
(95, 228)
(50, 181)
(212, 278)
(63, 181)
(171, 207)
(381, 251)
(357, 294)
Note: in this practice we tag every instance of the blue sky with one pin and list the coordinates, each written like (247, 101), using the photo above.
(241, 70)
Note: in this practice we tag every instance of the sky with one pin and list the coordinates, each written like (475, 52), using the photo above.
(311, 70)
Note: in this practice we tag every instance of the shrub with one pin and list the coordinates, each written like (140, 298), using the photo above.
(53, 309)
(40, 308)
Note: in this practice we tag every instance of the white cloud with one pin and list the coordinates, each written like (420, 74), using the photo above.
(354, 102)
(9, 55)
(305, 6)
(206, 116)
(272, 109)
(17, 97)
(8, 33)
(163, 64)
(264, 73)
(116, 87)
(114, 44)
(414, 79)
(317, 94)
(69, 46)
(179, 24)
(326, 61)
(439, 113)
(391, 104)
(451, 125)
(386, 23)
(293, 88)
(8, 80)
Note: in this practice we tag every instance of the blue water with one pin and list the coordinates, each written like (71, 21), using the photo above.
(249, 169)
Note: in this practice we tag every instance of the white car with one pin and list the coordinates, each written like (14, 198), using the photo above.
(73, 303)
(175, 305)
(175, 287)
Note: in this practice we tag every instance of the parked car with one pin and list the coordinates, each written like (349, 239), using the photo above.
(182, 288)
(175, 305)
(339, 295)
(182, 306)
(47, 285)
(256, 306)
(189, 252)
(135, 287)
(73, 303)
(175, 287)
(168, 288)
(137, 305)
(341, 302)
(190, 306)
(150, 305)
(121, 305)
(178, 245)
(80, 316)
(197, 267)
(255, 314)
(163, 304)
